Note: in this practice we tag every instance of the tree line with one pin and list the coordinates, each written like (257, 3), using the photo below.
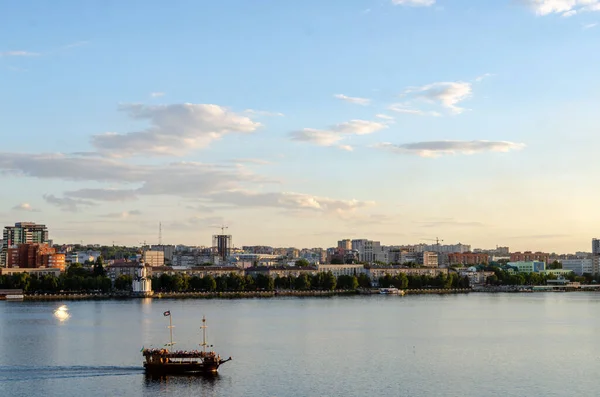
(441, 281)
(76, 279)
(259, 282)
(503, 277)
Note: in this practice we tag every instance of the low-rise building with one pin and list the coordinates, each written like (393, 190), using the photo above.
(468, 258)
(528, 266)
(578, 266)
(529, 256)
(198, 271)
(376, 272)
(154, 258)
(40, 271)
(342, 270)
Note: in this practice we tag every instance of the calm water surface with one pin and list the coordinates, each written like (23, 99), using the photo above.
(465, 345)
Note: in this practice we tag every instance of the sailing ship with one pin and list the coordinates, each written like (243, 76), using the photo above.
(182, 362)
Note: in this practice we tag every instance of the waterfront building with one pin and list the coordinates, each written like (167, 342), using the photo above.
(281, 271)
(529, 256)
(557, 272)
(198, 271)
(34, 255)
(376, 272)
(246, 260)
(349, 269)
(142, 282)
(154, 258)
(122, 267)
(21, 233)
(39, 272)
(528, 266)
(578, 266)
(475, 277)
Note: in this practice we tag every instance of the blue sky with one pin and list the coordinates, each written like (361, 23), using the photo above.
(301, 123)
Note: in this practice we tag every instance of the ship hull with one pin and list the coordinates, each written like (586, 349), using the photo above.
(180, 368)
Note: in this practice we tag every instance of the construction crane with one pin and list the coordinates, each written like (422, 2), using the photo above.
(223, 227)
(437, 242)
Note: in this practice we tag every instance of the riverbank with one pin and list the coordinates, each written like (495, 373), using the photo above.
(230, 294)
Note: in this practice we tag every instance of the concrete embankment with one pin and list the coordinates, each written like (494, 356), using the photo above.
(229, 294)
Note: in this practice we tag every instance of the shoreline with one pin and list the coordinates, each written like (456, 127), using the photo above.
(232, 294)
(276, 294)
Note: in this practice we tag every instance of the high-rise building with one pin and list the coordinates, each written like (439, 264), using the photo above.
(22, 233)
(595, 246)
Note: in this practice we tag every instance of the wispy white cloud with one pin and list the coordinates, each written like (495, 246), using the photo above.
(355, 100)
(384, 116)
(174, 129)
(250, 161)
(565, 7)
(442, 148)
(484, 76)
(157, 94)
(103, 194)
(407, 109)
(589, 25)
(18, 54)
(291, 201)
(24, 207)
(337, 133)
(122, 215)
(66, 203)
(447, 94)
(264, 113)
(414, 3)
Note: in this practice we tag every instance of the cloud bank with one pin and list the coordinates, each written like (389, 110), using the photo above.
(443, 148)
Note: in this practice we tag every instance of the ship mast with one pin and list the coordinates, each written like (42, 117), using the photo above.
(204, 344)
(171, 329)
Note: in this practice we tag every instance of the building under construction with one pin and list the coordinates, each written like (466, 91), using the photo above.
(222, 244)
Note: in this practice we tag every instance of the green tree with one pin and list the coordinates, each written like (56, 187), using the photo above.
(337, 261)
(209, 283)
(264, 282)
(123, 283)
(364, 281)
(302, 263)
(329, 281)
(235, 282)
(98, 269)
(249, 283)
(302, 282)
(555, 265)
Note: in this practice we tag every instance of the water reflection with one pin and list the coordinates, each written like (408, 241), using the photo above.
(62, 313)
(200, 384)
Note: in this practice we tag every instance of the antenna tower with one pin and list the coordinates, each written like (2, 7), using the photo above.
(159, 233)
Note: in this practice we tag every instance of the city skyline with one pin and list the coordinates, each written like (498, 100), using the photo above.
(302, 124)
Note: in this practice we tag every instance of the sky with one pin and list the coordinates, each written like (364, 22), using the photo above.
(302, 123)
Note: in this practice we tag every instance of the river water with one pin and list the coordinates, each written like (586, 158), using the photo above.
(540, 344)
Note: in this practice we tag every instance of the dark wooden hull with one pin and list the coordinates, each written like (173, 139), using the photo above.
(181, 368)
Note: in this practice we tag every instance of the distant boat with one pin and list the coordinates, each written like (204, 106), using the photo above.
(182, 362)
(390, 291)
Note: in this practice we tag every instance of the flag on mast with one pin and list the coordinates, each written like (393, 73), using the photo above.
(167, 313)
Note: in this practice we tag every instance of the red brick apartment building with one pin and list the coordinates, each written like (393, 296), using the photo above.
(529, 256)
(34, 255)
(467, 258)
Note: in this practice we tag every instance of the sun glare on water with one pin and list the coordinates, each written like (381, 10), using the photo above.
(62, 313)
